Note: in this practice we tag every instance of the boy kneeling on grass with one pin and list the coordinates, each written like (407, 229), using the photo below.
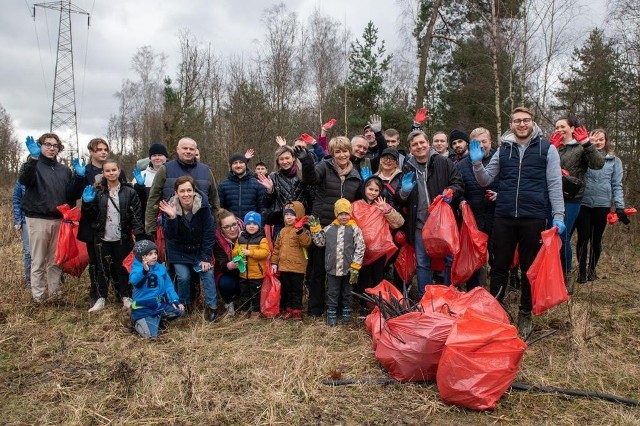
(154, 297)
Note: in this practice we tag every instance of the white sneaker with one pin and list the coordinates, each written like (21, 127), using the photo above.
(126, 302)
(98, 305)
(229, 308)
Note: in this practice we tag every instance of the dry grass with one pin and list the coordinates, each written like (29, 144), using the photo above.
(61, 365)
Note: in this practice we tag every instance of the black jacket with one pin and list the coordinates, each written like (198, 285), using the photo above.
(46, 185)
(285, 190)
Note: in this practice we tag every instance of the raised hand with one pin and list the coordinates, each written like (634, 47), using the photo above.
(408, 182)
(314, 224)
(300, 152)
(281, 141)
(365, 173)
(329, 124)
(375, 122)
(33, 147)
(476, 152)
(89, 194)
(556, 139)
(299, 224)
(382, 205)
(306, 138)
(249, 154)
(78, 167)
(168, 209)
(137, 175)
(581, 135)
(266, 181)
(422, 114)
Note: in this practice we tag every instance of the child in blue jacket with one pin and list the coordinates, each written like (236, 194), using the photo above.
(154, 297)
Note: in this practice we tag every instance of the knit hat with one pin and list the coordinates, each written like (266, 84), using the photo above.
(458, 134)
(158, 148)
(253, 217)
(237, 157)
(292, 212)
(342, 206)
(143, 248)
(390, 151)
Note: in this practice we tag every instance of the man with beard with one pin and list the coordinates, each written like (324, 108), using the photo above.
(460, 144)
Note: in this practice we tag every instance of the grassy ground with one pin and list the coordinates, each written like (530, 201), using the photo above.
(61, 365)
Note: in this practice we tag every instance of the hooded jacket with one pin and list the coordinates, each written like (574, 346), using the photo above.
(289, 250)
(604, 186)
(151, 290)
(259, 247)
(576, 159)
(344, 247)
(241, 195)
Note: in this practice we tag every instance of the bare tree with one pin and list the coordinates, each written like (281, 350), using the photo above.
(10, 148)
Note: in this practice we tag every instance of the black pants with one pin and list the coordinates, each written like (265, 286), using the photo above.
(110, 255)
(317, 281)
(370, 276)
(93, 272)
(250, 294)
(507, 233)
(590, 226)
(338, 292)
(292, 283)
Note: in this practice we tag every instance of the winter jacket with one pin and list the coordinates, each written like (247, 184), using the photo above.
(95, 213)
(259, 247)
(240, 195)
(390, 185)
(604, 186)
(344, 247)
(190, 241)
(483, 209)
(440, 175)
(151, 289)
(373, 153)
(18, 215)
(329, 186)
(164, 183)
(576, 159)
(47, 186)
(223, 254)
(287, 187)
(289, 250)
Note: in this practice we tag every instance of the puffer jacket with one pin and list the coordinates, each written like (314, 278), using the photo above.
(603, 186)
(240, 195)
(329, 187)
(483, 209)
(95, 213)
(190, 241)
(576, 159)
(259, 247)
(289, 249)
(390, 185)
(344, 247)
(287, 187)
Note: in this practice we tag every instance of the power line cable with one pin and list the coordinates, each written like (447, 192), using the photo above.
(44, 78)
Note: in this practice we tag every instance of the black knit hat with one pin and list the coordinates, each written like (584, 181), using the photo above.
(237, 157)
(158, 148)
(391, 151)
(143, 248)
(458, 134)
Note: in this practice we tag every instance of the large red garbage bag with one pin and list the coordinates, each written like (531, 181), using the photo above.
(161, 243)
(410, 345)
(473, 248)
(375, 230)
(440, 231)
(270, 295)
(545, 274)
(440, 298)
(479, 362)
(71, 255)
(374, 321)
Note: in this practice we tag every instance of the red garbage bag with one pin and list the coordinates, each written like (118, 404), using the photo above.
(440, 298)
(270, 295)
(374, 321)
(473, 248)
(71, 255)
(516, 258)
(440, 231)
(128, 262)
(375, 230)
(410, 345)
(479, 362)
(405, 263)
(161, 243)
(545, 274)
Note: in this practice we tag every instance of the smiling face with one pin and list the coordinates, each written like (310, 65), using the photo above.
(341, 157)
(388, 163)
(522, 125)
(230, 228)
(565, 129)
(251, 228)
(111, 172)
(239, 168)
(440, 143)
(372, 191)
(419, 148)
(360, 146)
(186, 194)
(598, 139)
(485, 142)
(285, 160)
(186, 150)
(157, 160)
(343, 218)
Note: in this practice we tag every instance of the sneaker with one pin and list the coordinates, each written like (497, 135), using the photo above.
(98, 305)
(230, 309)
(525, 325)
(126, 302)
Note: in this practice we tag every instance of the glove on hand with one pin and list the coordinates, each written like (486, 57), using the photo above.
(408, 181)
(314, 224)
(560, 225)
(622, 216)
(306, 138)
(581, 135)
(33, 147)
(476, 152)
(353, 276)
(365, 173)
(78, 167)
(421, 115)
(329, 124)
(300, 152)
(447, 195)
(89, 194)
(137, 175)
(556, 139)
(375, 122)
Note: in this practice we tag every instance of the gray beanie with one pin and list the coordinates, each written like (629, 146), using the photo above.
(143, 248)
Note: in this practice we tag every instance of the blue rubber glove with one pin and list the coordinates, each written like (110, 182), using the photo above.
(447, 196)
(89, 194)
(79, 167)
(408, 181)
(137, 175)
(365, 173)
(560, 225)
(476, 152)
(33, 147)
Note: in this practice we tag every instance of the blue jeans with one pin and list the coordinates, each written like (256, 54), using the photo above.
(571, 211)
(27, 254)
(423, 260)
(229, 286)
(183, 277)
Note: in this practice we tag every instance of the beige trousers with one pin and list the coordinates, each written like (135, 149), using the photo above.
(43, 239)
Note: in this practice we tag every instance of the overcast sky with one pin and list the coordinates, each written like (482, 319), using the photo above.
(102, 53)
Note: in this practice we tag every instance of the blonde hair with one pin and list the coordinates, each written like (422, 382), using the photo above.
(521, 109)
(341, 143)
(479, 131)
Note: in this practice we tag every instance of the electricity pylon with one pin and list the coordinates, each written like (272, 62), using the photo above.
(63, 108)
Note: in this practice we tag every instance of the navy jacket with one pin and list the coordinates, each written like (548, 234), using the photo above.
(241, 195)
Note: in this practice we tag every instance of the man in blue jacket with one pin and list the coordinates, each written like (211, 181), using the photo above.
(240, 192)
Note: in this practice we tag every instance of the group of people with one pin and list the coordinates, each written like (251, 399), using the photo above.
(324, 218)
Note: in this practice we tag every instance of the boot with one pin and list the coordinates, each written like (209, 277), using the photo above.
(332, 317)
(210, 314)
(287, 314)
(346, 315)
(569, 282)
(525, 325)
(296, 314)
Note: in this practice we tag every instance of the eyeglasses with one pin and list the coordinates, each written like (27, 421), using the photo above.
(388, 158)
(51, 145)
(522, 121)
(230, 227)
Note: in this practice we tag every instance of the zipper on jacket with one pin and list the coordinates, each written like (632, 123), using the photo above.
(518, 183)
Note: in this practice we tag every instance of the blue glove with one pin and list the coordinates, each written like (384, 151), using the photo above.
(79, 167)
(89, 194)
(560, 225)
(365, 173)
(476, 152)
(408, 181)
(445, 196)
(33, 147)
(137, 175)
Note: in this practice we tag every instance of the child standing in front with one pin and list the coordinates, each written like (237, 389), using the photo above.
(343, 259)
(290, 259)
(252, 245)
(154, 297)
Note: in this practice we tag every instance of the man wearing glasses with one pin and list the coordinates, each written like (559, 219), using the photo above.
(530, 185)
(46, 182)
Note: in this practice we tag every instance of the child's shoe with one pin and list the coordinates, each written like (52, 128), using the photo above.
(296, 314)
(230, 309)
(287, 314)
(126, 302)
(332, 317)
(346, 315)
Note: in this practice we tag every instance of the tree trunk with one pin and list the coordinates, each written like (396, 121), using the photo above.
(424, 54)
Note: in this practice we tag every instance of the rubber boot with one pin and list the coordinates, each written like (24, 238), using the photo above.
(525, 324)
(346, 315)
(332, 317)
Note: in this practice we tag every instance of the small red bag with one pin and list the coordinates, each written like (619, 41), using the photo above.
(479, 362)
(440, 231)
(405, 263)
(375, 230)
(270, 295)
(473, 248)
(545, 274)
(71, 255)
(128, 262)
(161, 243)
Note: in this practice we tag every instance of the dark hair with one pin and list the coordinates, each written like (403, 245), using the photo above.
(93, 144)
(607, 147)
(377, 181)
(52, 136)
(392, 133)
(184, 179)
(571, 121)
(260, 163)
